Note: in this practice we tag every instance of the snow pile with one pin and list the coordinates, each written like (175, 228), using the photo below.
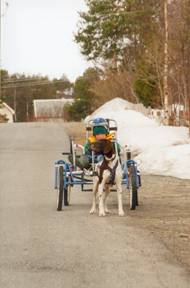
(162, 150)
(167, 161)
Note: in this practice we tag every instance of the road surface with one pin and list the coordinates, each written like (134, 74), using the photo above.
(40, 247)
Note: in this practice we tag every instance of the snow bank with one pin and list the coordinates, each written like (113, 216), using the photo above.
(163, 150)
(168, 161)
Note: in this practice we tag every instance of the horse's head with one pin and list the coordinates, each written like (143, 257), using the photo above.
(104, 147)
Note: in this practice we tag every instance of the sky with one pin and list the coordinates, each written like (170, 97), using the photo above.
(38, 38)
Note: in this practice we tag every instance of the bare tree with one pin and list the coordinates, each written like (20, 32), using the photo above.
(165, 78)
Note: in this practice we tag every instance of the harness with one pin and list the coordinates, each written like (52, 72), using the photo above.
(104, 166)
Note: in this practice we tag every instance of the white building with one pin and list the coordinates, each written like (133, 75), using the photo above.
(50, 108)
(7, 111)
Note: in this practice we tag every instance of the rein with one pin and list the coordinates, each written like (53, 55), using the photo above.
(105, 147)
(104, 166)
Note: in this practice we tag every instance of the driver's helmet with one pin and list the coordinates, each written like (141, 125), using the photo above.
(100, 126)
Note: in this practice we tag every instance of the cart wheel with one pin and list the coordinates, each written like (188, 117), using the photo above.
(133, 189)
(60, 189)
(137, 200)
(71, 145)
(66, 202)
(69, 194)
(82, 185)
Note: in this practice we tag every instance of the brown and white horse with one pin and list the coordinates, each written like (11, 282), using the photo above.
(107, 173)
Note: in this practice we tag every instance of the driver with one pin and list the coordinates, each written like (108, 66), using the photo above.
(100, 131)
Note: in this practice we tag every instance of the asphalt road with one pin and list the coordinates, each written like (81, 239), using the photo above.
(40, 247)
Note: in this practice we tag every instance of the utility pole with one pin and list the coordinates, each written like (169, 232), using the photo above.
(189, 115)
(0, 50)
(15, 108)
(2, 12)
(165, 79)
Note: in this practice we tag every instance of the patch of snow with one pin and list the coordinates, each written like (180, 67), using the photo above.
(167, 161)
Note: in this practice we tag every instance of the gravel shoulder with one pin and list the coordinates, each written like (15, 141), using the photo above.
(165, 213)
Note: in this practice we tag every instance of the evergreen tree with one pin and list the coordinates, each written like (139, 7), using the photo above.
(118, 30)
(124, 32)
(84, 96)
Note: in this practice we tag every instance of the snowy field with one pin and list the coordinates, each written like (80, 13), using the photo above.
(159, 150)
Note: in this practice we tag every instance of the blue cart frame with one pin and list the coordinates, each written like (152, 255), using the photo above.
(67, 175)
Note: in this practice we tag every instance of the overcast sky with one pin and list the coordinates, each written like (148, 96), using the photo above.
(37, 38)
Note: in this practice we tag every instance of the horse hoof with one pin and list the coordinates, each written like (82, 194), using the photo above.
(108, 211)
(121, 214)
(92, 211)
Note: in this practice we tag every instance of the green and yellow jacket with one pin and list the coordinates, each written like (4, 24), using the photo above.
(92, 139)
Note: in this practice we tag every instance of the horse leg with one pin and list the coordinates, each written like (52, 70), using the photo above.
(119, 196)
(95, 189)
(102, 193)
(101, 196)
(107, 191)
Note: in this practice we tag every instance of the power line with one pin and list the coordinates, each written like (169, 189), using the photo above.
(25, 79)
(8, 80)
(9, 86)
